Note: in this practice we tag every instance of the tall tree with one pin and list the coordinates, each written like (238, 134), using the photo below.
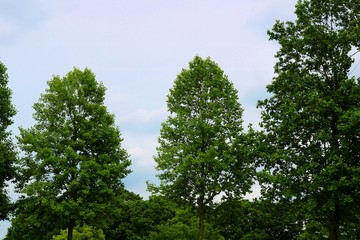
(7, 153)
(74, 162)
(312, 119)
(201, 149)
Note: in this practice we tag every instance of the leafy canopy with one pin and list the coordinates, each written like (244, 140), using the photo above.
(200, 149)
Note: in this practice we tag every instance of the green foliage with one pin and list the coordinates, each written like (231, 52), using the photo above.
(314, 231)
(120, 221)
(311, 143)
(201, 149)
(7, 152)
(252, 220)
(82, 233)
(73, 161)
(33, 220)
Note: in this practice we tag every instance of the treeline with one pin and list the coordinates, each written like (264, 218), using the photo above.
(305, 155)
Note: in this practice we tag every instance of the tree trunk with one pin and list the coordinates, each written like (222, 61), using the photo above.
(334, 225)
(71, 226)
(201, 213)
(201, 199)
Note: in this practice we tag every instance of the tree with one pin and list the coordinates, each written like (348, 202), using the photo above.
(7, 152)
(202, 149)
(74, 162)
(311, 122)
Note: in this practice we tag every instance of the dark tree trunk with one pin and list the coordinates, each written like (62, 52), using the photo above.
(71, 226)
(334, 225)
(201, 213)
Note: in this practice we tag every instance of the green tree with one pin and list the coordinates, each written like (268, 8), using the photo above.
(201, 149)
(312, 120)
(7, 152)
(74, 162)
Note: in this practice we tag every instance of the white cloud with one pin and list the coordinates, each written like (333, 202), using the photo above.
(7, 27)
(140, 116)
(136, 151)
(141, 158)
(255, 192)
(142, 148)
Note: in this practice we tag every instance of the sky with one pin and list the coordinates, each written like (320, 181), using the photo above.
(137, 48)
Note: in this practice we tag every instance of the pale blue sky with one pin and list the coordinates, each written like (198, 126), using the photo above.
(136, 48)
